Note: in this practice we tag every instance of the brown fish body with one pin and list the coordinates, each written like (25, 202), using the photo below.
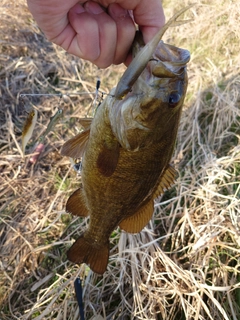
(112, 198)
(125, 163)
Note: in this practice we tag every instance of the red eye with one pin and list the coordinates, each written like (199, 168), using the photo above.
(173, 99)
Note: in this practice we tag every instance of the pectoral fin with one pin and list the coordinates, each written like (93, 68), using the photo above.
(76, 204)
(76, 146)
(166, 180)
(138, 220)
(108, 159)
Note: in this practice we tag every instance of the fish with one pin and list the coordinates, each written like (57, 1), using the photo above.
(127, 147)
(28, 128)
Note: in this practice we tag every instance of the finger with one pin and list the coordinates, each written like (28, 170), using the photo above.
(125, 31)
(148, 14)
(107, 34)
(96, 34)
(150, 17)
(51, 15)
(85, 42)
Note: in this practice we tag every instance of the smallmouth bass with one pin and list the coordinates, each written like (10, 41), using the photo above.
(127, 147)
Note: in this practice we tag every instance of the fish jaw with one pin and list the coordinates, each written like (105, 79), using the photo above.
(168, 61)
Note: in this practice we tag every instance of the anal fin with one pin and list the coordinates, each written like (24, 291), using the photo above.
(76, 204)
(94, 254)
(138, 220)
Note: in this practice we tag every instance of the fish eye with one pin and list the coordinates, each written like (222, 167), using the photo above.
(173, 99)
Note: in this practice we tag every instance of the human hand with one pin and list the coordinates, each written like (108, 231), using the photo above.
(101, 31)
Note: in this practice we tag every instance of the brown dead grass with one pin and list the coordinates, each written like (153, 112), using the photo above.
(186, 263)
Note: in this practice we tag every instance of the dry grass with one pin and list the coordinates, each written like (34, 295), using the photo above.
(186, 263)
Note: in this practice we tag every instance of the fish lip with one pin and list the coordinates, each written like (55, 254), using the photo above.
(168, 61)
(171, 53)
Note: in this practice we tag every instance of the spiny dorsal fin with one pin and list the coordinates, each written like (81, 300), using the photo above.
(76, 204)
(138, 220)
(108, 159)
(166, 180)
(76, 146)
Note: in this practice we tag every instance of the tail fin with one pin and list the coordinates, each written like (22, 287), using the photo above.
(94, 254)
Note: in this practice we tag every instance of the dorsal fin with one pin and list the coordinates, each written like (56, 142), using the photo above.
(108, 158)
(85, 122)
(138, 220)
(76, 146)
(76, 204)
(166, 180)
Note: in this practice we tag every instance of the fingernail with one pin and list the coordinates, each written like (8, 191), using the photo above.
(78, 9)
(93, 7)
(117, 11)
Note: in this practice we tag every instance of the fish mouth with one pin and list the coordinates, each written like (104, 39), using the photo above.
(142, 57)
(165, 71)
(168, 61)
